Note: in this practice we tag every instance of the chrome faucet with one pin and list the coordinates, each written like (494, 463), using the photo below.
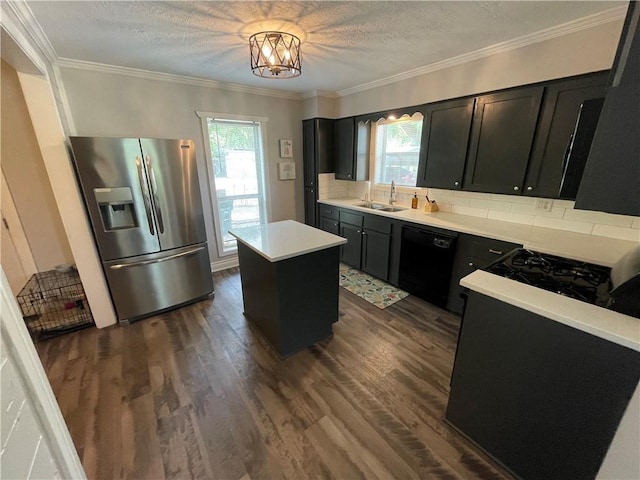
(392, 194)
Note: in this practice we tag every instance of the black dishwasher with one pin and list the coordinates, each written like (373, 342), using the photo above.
(426, 261)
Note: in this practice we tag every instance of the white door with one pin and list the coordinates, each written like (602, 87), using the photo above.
(15, 253)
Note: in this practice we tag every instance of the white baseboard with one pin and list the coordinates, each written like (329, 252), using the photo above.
(225, 263)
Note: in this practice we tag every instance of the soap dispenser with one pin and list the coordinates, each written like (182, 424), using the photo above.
(414, 200)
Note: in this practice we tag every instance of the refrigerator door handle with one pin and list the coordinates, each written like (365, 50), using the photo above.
(156, 260)
(156, 200)
(145, 195)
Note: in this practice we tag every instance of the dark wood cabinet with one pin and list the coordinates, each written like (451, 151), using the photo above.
(542, 398)
(310, 173)
(351, 252)
(376, 243)
(310, 206)
(445, 138)
(330, 225)
(368, 242)
(317, 157)
(472, 252)
(344, 138)
(351, 137)
(375, 253)
(558, 117)
(317, 149)
(502, 134)
(329, 219)
(611, 180)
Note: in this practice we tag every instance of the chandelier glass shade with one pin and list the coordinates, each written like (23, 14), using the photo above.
(275, 55)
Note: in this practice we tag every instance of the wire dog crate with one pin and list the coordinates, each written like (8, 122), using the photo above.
(54, 303)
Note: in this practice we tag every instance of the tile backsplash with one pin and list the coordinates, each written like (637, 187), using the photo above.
(508, 208)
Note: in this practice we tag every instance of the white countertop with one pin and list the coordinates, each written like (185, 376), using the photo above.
(579, 246)
(281, 240)
(607, 324)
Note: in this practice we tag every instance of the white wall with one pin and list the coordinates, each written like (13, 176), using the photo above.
(27, 179)
(321, 105)
(108, 104)
(581, 52)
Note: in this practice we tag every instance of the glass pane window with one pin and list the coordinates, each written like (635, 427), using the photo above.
(238, 166)
(397, 151)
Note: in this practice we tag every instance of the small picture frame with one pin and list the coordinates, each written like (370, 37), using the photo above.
(286, 148)
(286, 171)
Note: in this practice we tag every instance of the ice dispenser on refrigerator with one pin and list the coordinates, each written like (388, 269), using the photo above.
(116, 207)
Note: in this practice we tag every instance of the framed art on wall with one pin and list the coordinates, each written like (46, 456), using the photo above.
(286, 171)
(286, 148)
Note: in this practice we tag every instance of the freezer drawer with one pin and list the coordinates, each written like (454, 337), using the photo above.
(148, 283)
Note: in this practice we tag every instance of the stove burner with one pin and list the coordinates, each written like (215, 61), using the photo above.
(525, 258)
(579, 280)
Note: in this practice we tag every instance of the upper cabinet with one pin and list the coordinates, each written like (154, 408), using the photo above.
(502, 135)
(443, 149)
(555, 143)
(344, 138)
(351, 137)
(611, 181)
(317, 149)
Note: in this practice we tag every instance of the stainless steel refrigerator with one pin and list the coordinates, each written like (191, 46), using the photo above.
(143, 199)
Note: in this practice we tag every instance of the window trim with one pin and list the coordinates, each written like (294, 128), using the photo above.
(204, 116)
(373, 154)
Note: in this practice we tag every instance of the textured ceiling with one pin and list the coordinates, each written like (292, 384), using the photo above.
(344, 44)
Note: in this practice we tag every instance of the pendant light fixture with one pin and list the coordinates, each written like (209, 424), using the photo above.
(275, 55)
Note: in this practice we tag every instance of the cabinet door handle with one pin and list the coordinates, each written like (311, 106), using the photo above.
(529, 188)
(495, 252)
(364, 233)
(516, 188)
(456, 183)
(471, 264)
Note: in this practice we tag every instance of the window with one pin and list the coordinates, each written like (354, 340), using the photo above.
(397, 149)
(235, 155)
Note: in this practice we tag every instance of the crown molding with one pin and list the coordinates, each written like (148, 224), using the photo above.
(28, 23)
(32, 28)
(170, 77)
(24, 16)
(584, 23)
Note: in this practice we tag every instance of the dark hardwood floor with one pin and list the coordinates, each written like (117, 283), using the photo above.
(197, 393)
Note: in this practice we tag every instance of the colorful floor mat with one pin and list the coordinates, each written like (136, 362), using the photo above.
(371, 289)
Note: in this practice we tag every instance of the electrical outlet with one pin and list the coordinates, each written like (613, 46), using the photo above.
(543, 205)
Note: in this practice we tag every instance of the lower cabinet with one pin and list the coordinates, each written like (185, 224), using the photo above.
(330, 225)
(375, 253)
(310, 206)
(351, 252)
(329, 219)
(368, 242)
(472, 253)
(542, 398)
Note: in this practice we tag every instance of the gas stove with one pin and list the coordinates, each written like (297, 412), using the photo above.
(582, 281)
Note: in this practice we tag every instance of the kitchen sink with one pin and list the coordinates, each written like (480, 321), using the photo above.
(380, 206)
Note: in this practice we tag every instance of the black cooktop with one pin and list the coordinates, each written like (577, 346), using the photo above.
(580, 280)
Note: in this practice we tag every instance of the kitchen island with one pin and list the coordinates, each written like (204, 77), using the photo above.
(550, 372)
(289, 274)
